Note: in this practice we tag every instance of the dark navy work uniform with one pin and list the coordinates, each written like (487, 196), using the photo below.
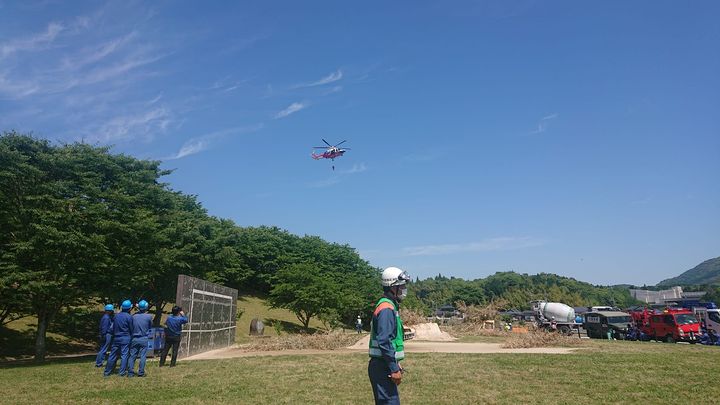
(173, 334)
(142, 322)
(105, 338)
(122, 330)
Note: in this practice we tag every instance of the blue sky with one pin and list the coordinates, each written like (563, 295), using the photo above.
(577, 139)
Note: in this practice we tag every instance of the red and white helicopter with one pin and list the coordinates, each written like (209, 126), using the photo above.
(331, 151)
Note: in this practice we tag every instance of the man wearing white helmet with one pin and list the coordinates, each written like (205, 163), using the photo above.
(386, 338)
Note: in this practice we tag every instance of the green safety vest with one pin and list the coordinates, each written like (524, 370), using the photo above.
(398, 345)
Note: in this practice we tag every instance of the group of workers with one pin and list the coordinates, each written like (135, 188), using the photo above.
(127, 337)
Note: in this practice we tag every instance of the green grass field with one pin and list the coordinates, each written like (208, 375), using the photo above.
(599, 373)
(605, 372)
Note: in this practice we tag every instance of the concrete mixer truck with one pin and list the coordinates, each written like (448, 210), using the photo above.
(554, 316)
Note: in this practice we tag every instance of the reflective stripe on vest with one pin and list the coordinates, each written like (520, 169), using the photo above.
(397, 342)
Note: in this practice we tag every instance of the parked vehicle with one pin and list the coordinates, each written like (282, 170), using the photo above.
(599, 323)
(669, 325)
(554, 316)
(709, 317)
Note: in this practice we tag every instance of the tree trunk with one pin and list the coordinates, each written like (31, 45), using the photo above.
(42, 325)
(158, 313)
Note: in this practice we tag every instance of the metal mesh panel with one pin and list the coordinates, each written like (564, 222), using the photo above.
(210, 309)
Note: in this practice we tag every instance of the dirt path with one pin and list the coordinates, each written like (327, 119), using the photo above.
(410, 347)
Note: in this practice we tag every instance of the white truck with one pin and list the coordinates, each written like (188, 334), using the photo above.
(554, 316)
(710, 317)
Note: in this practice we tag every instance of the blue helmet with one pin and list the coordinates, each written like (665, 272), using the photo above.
(126, 305)
(143, 305)
(109, 307)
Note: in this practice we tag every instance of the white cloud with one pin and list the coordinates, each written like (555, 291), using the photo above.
(133, 125)
(293, 108)
(17, 89)
(203, 142)
(96, 53)
(357, 168)
(32, 43)
(543, 124)
(334, 89)
(486, 245)
(155, 100)
(332, 77)
(191, 147)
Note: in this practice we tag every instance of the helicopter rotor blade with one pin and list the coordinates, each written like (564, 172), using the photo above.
(341, 143)
(326, 143)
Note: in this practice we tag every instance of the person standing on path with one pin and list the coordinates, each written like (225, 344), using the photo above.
(386, 338)
(173, 334)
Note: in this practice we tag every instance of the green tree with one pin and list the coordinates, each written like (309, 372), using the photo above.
(306, 291)
(54, 213)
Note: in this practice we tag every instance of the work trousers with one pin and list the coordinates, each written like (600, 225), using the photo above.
(173, 341)
(121, 349)
(384, 389)
(138, 348)
(105, 342)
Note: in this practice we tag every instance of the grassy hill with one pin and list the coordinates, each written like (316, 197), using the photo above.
(275, 319)
(707, 272)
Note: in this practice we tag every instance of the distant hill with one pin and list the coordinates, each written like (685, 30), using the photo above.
(707, 272)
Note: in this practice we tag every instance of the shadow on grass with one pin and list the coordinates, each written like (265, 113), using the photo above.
(88, 359)
(288, 327)
(18, 346)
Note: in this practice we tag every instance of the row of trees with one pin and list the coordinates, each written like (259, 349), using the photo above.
(516, 290)
(81, 226)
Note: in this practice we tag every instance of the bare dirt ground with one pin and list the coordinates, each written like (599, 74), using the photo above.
(410, 347)
(428, 339)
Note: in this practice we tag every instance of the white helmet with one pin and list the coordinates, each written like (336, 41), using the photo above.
(393, 276)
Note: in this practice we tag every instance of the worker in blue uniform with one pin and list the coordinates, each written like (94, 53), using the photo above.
(122, 330)
(105, 334)
(142, 322)
(386, 347)
(173, 334)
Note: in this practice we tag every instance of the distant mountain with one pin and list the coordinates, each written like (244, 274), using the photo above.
(707, 272)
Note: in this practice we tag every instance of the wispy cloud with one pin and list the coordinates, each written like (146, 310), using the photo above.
(543, 123)
(155, 100)
(191, 147)
(332, 77)
(292, 108)
(334, 89)
(356, 168)
(33, 42)
(486, 245)
(141, 124)
(95, 53)
(204, 142)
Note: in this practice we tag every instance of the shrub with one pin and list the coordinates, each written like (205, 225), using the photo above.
(301, 341)
(541, 339)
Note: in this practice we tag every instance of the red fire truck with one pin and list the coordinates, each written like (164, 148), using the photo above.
(670, 325)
